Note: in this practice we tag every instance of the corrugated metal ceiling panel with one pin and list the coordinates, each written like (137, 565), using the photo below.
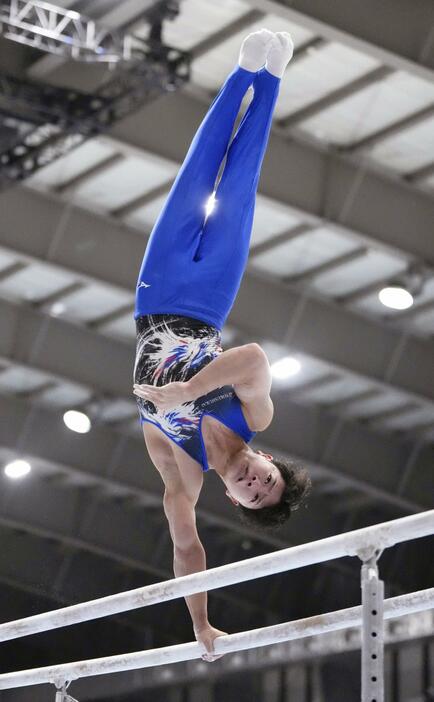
(123, 328)
(371, 109)
(373, 266)
(64, 396)
(322, 70)
(121, 183)
(94, 301)
(410, 419)
(16, 379)
(73, 164)
(35, 282)
(408, 150)
(6, 259)
(271, 219)
(341, 389)
(304, 252)
(144, 217)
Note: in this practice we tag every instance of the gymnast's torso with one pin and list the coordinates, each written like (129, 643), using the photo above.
(170, 348)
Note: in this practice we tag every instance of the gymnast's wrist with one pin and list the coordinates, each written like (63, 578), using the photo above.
(199, 624)
(194, 388)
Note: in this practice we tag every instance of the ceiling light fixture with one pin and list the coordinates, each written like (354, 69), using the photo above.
(77, 421)
(396, 297)
(57, 308)
(17, 469)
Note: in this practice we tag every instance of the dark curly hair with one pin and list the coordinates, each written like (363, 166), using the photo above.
(297, 487)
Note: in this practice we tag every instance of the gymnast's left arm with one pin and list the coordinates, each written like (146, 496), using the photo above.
(237, 366)
(248, 370)
(245, 367)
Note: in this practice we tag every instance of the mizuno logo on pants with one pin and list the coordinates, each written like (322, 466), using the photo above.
(144, 285)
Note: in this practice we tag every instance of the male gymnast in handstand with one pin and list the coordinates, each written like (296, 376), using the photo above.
(200, 406)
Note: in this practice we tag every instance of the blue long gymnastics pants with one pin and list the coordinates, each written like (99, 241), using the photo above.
(193, 264)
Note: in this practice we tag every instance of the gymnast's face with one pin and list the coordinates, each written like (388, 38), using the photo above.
(254, 481)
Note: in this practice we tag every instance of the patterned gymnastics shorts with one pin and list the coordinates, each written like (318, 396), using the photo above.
(170, 348)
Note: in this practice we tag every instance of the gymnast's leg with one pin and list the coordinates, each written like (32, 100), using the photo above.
(176, 233)
(224, 246)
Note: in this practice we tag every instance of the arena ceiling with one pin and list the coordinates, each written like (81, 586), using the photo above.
(345, 206)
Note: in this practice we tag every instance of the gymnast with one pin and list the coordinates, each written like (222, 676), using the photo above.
(200, 406)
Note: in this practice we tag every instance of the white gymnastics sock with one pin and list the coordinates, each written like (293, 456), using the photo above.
(279, 54)
(254, 49)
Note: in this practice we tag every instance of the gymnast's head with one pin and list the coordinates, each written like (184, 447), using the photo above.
(265, 491)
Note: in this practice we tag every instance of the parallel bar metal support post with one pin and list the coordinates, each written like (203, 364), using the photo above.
(372, 631)
(62, 695)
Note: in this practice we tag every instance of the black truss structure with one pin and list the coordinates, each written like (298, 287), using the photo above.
(40, 123)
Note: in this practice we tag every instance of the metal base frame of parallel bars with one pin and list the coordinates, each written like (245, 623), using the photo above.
(62, 695)
(367, 544)
(372, 629)
(62, 675)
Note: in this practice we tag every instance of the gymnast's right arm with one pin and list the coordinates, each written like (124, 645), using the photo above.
(189, 557)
